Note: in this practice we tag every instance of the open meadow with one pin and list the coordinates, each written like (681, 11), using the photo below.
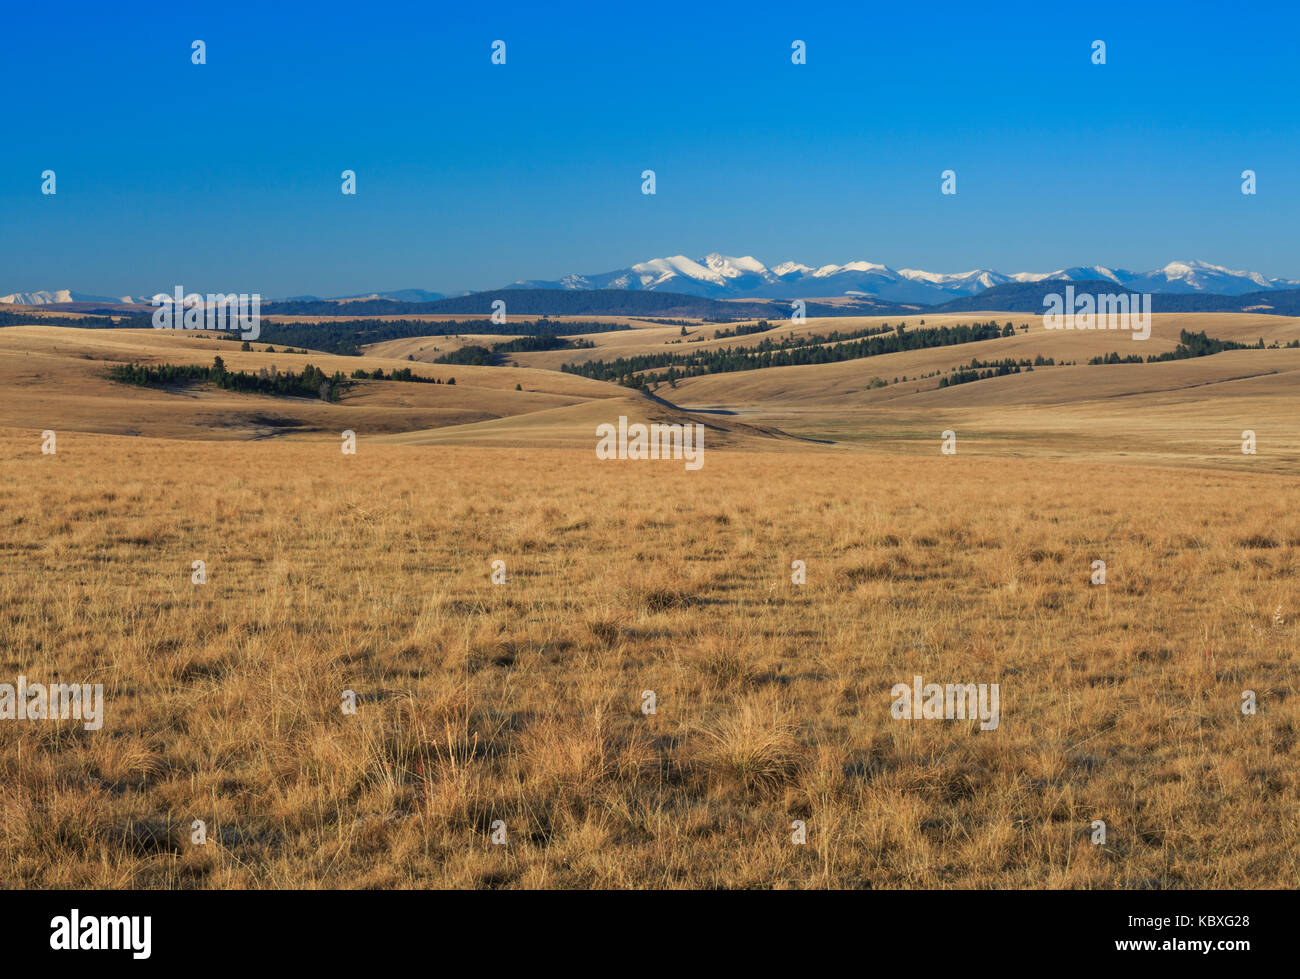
(671, 675)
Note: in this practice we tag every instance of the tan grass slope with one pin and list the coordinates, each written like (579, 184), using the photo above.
(575, 426)
(1190, 412)
(519, 705)
(53, 378)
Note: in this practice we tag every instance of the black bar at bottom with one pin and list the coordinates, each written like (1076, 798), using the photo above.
(363, 929)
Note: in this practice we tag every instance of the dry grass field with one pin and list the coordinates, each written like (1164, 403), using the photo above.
(521, 702)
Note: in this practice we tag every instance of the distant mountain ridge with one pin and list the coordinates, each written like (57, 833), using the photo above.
(719, 276)
(1012, 297)
(596, 302)
(1027, 297)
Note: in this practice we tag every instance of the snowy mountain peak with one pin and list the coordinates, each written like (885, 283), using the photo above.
(733, 268)
(866, 267)
(1197, 276)
(790, 268)
(1193, 266)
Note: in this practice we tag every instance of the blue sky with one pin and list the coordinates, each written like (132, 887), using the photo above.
(225, 177)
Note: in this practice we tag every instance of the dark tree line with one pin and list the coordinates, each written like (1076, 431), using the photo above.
(791, 351)
(741, 330)
(82, 322)
(397, 374)
(347, 337)
(310, 382)
(481, 356)
(982, 370)
(1189, 345)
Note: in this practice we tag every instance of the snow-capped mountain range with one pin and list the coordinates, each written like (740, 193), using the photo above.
(60, 296)
(57, 296)
(722, 277)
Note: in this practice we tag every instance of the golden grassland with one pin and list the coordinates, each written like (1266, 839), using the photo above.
(1186, 412)
(520, 702)
(1189, 412)
(1071, 345)
(54, 378)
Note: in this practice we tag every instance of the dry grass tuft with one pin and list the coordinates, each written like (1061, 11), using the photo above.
(754, 747)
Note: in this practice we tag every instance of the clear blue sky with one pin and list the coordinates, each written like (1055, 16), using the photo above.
(225, 177)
